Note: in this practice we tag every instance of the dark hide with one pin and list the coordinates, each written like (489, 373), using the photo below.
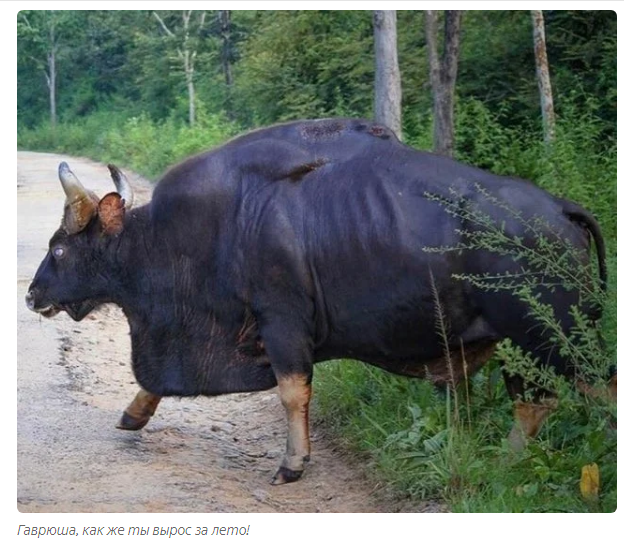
(304, 242)
(315, 231)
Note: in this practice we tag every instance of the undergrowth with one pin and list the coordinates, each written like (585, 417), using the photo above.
(138, 143)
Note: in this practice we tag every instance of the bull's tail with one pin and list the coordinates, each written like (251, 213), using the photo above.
(578, 214)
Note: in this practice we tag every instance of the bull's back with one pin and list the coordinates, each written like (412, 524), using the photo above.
(366, 227)
(355, 217)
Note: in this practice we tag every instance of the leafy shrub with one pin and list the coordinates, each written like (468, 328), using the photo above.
(138, 142)
(580, 164)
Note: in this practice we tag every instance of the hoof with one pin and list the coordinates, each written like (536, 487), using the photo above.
(517, 440)
(284, 476)
(128, 422)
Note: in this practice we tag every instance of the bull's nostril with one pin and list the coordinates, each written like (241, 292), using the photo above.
(30, 300)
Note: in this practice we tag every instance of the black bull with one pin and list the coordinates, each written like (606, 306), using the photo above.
(300, 243)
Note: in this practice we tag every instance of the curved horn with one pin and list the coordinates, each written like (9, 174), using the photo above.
(122, 185)
(70, 183)
(79, 205)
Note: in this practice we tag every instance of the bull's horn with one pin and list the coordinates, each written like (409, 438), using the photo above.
(122, 185)
(71, 184)
(80, 205)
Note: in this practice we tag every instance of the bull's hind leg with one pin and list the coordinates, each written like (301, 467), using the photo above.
(529, 416)
(295, 393)
(138, 413)
(528, 420)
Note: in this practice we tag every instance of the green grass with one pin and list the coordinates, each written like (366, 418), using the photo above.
(403, 429)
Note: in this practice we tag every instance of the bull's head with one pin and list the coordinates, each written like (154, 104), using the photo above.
(70, 277)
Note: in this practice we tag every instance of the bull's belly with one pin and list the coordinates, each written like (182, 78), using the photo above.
(415, 346)
(449, 367)
(367, 348)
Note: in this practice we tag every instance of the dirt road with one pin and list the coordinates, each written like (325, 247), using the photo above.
(196, 455)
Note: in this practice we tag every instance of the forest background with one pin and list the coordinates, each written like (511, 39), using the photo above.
(145, 89)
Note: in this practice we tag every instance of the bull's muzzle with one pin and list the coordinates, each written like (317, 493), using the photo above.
(30, 300)
(47, 311)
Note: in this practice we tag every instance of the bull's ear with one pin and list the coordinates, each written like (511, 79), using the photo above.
(111, 211)
(78, 213)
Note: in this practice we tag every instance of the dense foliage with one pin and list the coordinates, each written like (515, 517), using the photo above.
(121, 94)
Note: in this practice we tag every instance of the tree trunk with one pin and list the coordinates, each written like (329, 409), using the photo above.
(387, 74)
(51, 76)
(443, 75)
(190, 86)
(188, 67)
(187, 55)
(543, 77)
(226, 58)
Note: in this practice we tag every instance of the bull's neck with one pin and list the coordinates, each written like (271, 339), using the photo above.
(132, 255)
(153, 281)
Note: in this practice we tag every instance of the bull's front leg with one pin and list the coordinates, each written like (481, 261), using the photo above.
(295, 393)
(138, 413)
(288, 344)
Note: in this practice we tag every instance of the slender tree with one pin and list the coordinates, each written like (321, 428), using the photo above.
(38, 34)
(225, 24)
(186, 49)
(442, 76)
(543, 76)
(387, 73)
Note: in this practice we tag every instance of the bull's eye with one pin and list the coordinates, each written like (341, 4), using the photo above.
(58, 252)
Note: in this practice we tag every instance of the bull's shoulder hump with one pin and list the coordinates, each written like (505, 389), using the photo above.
(323, 130)
(193, 175)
